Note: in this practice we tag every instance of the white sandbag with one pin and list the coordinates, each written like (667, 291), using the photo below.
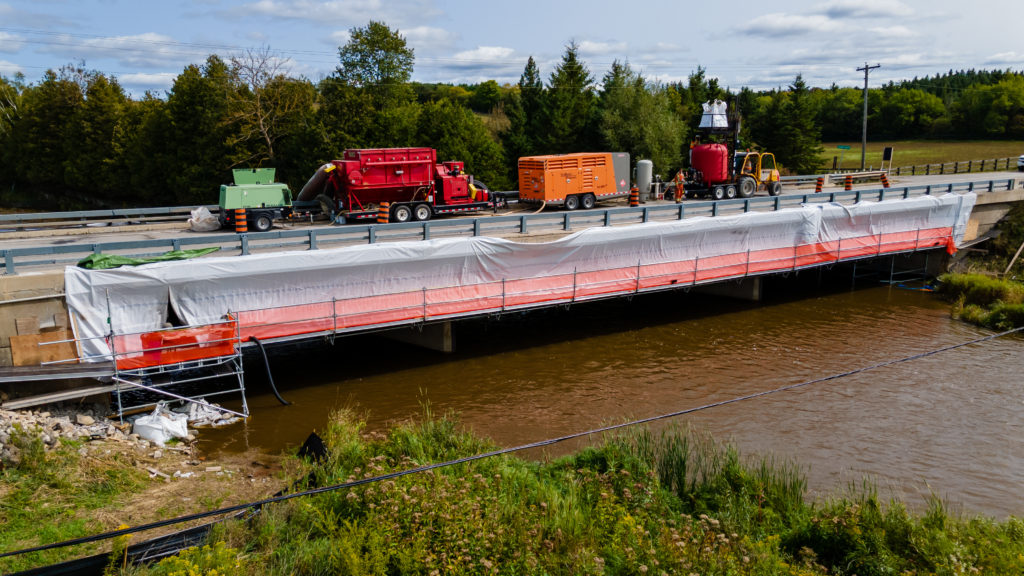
(161, 426)
(203, 221)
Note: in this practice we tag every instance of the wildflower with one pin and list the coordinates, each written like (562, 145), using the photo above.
(643, 569)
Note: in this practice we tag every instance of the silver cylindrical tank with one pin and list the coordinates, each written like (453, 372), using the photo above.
(644, 175)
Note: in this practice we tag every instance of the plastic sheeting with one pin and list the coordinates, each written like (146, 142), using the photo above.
(288, 293)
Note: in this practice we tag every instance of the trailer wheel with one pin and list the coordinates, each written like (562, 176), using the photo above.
(572, 202)
(326, 204)
(262, 221)
(775, 189)
(718, 193)
(730, 191)
(588, 201)
(422, 212)
(401, 213)
(747, 187)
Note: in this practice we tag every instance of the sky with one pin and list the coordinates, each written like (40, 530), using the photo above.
(761, 45)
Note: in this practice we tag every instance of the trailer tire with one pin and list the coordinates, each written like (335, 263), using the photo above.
(775, 188)
(747, 187)
(401, 213)
(572, 202)
(588, 202)
(262, 221)
(718, 193)
(422, 212)
(326, 204)
(730, 192)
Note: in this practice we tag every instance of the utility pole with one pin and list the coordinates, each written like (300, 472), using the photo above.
(864, 132)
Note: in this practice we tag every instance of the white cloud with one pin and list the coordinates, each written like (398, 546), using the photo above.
(145, 50)
(893, 32)
(1006, 58)
(485, 54)
(9, 68)
(779, 25)
(10, 43)
(589, 48)
(428, 37)
(148, 81)
(865, 9)
(346, 12)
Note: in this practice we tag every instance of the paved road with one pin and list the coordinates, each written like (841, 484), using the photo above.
(180, 229)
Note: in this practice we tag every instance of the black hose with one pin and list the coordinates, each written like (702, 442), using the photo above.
(270, 376)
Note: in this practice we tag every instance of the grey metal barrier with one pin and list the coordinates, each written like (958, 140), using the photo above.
(350, 234)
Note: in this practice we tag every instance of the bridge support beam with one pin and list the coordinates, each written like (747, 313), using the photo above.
(746, 289)
(439, 336)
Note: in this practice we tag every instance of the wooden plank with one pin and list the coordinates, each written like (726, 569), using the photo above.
(19, 403)
(26, 349)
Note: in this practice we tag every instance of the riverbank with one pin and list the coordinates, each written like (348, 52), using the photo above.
(636, 503)
(70, 472)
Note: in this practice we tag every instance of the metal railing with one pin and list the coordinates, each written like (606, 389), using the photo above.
(85, 217)
(938, 169)
(11, 260)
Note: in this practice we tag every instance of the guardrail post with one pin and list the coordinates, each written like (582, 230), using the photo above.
(906, 192)
(522, 224)
(898, 170)
(927, 169)
(970, 165)
(714, 209)
(746, 205)
(312, 239)
(647, 215)
(565, 221)
(9, 263)
(607, 218)
(805, 199)
(778, 203)
(956, 167)
(476, 226)
(176, 244)
(928, 190)
(371, 234)
(832, 197)
(970, 187)
(856, 199)
(681, 211)
(244, 240)
(426, 230)
(991, 183)
(913, 170)
(942, 169)
(982, 165)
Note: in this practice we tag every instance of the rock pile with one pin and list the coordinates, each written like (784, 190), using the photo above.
(56, 422)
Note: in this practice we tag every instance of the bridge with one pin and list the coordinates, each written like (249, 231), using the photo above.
(387, 282)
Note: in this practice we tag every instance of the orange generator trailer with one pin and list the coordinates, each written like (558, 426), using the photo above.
(574, 180)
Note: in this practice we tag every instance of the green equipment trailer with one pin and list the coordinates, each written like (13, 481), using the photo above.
(256, 192)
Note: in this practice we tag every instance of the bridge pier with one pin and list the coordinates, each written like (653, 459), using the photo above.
(439, 336)
(747, 289)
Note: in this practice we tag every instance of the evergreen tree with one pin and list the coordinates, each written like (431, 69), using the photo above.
(571, 111)
(459, 134)
(94, 165)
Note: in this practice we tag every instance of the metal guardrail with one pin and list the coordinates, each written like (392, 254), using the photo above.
(958, 167)
(330, 237)
(89, 216)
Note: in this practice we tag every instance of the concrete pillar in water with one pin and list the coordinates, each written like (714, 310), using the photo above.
(439, 336)
(747, 289)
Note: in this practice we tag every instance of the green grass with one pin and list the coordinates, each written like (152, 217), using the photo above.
(47, 497)
(980, 299)
(920, 152)
(638, 503)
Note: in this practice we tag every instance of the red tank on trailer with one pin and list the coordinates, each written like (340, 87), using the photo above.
(712, 161)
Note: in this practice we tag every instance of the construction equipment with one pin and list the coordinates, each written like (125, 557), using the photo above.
(573, 180)
(721, 171)
(255, 192)
(411, 180)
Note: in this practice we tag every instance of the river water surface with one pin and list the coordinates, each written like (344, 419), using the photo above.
(951, 424)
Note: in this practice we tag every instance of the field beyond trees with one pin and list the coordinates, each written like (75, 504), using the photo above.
(920, 152)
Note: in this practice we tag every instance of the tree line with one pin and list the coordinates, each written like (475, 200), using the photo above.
(76, 140)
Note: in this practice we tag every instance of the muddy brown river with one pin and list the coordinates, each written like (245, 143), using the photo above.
(950, 424)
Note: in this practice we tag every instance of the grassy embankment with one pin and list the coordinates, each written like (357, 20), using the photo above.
(82, 488)
(638, 503)
(920, 152)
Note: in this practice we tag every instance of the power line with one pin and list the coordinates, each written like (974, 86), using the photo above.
(500, 452)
